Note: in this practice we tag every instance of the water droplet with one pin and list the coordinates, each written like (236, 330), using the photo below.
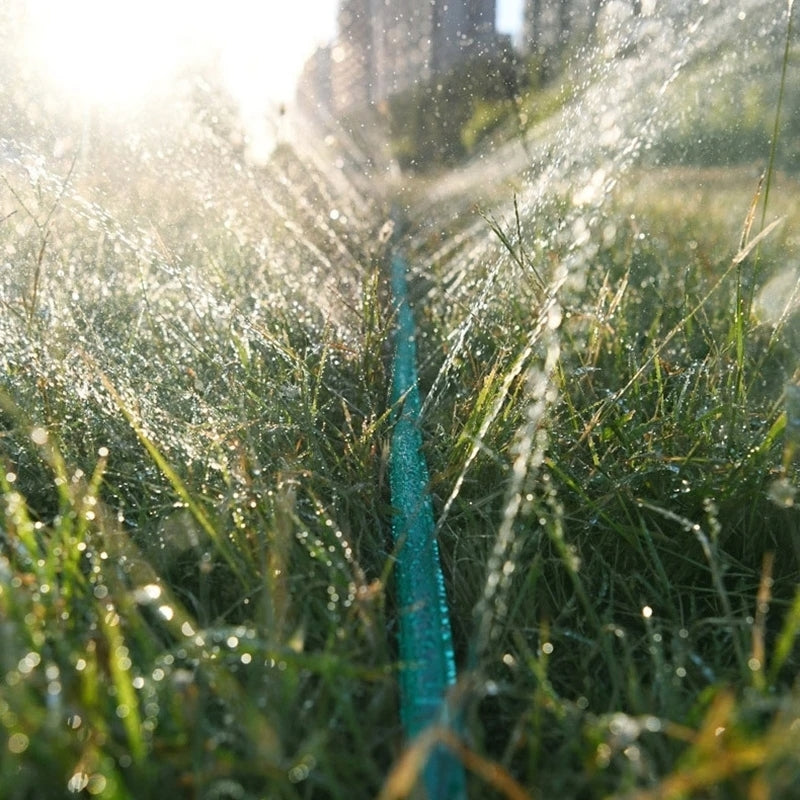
(147, 593)
(782, 492)
(18, 743)
(78, 782)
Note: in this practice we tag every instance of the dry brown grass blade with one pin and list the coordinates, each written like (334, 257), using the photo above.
(751, 213)
(758, 657)
(714, 757)
(750, 246)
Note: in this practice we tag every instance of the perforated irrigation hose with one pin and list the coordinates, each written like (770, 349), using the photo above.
(425, 641)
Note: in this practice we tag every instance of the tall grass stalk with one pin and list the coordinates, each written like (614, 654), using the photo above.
(773, 147)
(744, 305)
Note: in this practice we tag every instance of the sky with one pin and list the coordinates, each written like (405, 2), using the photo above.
(509, 15)
(114, 53)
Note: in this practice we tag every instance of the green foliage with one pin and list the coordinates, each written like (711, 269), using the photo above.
(436, 124)
(727, 119)
(648, 579)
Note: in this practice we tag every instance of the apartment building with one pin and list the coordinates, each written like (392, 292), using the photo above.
(386, 46)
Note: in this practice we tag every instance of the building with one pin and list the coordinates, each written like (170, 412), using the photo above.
(404, 45)
(550, 25)
(314, 87)
(462, 30)
(387, 46)
(352, 55)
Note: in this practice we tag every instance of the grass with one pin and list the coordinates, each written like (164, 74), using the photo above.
(649, 558)
(196, 577)
(193, 451)
(196, 591)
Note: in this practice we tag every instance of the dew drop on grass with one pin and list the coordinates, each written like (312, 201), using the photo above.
(18, 743)
(652, 724)
(39, 436)
(624, 727)
(78, 782)
(148, 593)
(97, 784)
(122, 658)
(27, 664)
(299, 773)
(782, 492)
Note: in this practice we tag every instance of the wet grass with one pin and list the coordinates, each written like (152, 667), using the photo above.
(630, 484)
(196, 576)
(195, 561)
(193, 548)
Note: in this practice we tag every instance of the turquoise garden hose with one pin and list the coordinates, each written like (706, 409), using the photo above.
(426, 644)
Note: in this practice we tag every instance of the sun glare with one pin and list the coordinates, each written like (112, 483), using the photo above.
(103, 52)
(119, 53)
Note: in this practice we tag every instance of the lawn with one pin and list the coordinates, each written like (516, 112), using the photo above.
(196, 564)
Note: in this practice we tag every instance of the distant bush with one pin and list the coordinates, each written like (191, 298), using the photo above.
(728, 119)
(428, 123)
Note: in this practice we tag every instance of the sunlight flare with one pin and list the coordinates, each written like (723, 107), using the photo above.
(119, 54)
(108, 53)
